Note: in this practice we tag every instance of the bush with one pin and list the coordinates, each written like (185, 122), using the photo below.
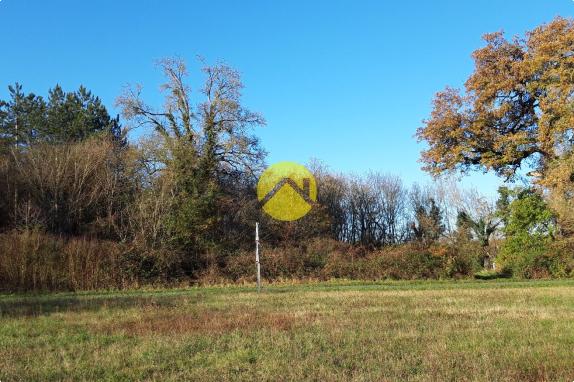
(521, 254)
(406, 262)
(559, 258)
(529, 230)
(464, 257)
(327, 259)
(33, 261)
(535, 257)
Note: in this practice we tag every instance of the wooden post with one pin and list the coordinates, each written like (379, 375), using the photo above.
(257, 257)
(16, 184)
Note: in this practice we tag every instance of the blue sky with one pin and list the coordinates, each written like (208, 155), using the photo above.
(346, 82)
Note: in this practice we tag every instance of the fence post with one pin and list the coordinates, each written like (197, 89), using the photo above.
(257, 257)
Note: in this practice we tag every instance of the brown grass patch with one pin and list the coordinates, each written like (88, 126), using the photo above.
(171, 323)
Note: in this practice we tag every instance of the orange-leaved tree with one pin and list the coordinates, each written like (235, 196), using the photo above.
(517, 106)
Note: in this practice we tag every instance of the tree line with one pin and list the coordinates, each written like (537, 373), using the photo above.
(83, 207)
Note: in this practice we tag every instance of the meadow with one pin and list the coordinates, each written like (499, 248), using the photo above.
(501, 330)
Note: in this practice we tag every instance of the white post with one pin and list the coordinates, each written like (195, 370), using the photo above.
(15, 184)
(257, 257)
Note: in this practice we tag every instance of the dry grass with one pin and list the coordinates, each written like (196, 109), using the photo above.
(176, 323)
(403, 331)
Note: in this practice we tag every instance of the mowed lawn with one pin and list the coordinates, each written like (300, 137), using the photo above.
(396, 331)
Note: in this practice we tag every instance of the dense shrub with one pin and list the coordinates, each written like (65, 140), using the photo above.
(556, 261)
(32, 261)
(464, 258)
(327, 259)
(414, 262)
(521, 255)
(561, 254)
(533, 257)
(529, 231)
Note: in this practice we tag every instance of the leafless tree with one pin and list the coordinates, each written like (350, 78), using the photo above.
(68, 186)
(215, 129)
(393, 203)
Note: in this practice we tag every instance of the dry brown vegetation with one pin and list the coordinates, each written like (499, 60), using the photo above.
(177, 323)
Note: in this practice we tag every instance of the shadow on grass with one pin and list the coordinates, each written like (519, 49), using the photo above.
(22, 305)
(38, 306)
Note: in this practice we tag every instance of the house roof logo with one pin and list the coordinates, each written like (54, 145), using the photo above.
(287, 191)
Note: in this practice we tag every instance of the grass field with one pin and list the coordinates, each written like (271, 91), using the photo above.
(403, 331)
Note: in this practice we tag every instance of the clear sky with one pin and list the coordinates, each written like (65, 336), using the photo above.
(346, 82)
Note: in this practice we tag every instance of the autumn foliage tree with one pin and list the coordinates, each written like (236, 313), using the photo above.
(516, 106)
(516, 110)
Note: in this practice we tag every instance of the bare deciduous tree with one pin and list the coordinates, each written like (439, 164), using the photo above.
(67, 186)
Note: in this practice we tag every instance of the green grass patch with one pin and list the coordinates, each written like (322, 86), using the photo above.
(502, 330)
